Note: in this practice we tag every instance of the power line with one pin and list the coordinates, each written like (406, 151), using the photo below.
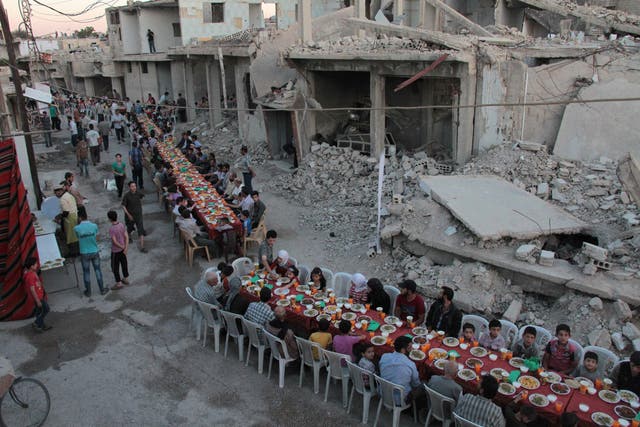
(87, 9)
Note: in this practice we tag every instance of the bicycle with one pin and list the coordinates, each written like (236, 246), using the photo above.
(27, 403)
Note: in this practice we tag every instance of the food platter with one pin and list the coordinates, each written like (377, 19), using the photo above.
(331, 309)
(450, 342)
(553, 378)
(390, 320)
(419, 330)
(466, 374)
(479, 351)
(284, 302)
(601, 419)
(439, 363)
(539, 400)
(624, 411)
(529, 382)
(472, 362)
(323, 316)
(560, 388)
(307, 301)
(417, 355)
(388, 329)
(311, 313)
(438, 353)
(609, 396)
(628, 396)
(378, 340)
(348, 316)
(281, 291)
(586, 380)
(357, 307)
(364, 319)
(499, 373)
(516, 362)
(419, 340)
(506, 389)
(302, 288)
(572, 383)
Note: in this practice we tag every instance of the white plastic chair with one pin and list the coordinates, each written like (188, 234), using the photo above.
(306, 348)
(213, 319)
(279, 352)
(393, 293)
(254, 331)
(358, 375)
(461, 422)
(509, 332)
(233, 325)
(480, 323)
(337, 370)
(293, 261)
(440, 407)
(389, 392)
(579, 349)
(243, 266)
(606, 358)
(304, 274)
(341, 284)
(196, 315)
(328, 275)
(542, 336)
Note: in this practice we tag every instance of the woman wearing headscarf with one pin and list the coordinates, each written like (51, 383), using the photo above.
(377, 296)
(359, 290)
(281, 264)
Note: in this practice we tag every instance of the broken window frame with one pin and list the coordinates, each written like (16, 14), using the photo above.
(213, 12)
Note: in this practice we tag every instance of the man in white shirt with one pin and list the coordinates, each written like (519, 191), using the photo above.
(93, 138)
(117, 120)
(73, 128)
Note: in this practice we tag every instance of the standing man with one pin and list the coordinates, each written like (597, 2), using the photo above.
(34, 288)
(87, 233)
(243, 164)
(119, 173)
(150, 39)
(182, 108)
(117, 120)
(119, 247)
(265, 251)
(73, 128)
(135, 161)
(104, 128)
(46, 127)
(69, 179)
(93, 138)
(68, 218)
(132, 206)
(53, 113)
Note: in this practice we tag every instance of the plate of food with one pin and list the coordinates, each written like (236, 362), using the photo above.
(450, 342)
(245, 278)
(378, 340)
(342, 300)
(438, 353)
(419, 330)
(311, 313)
(281, 291)
(284, 280)
(320, 295)
(364, 319)
(331, 309)
(388, 329)
(609, 396)
(624, 411)
(472, 362)
(539, 400)
(419, 340)
(253, 288)
(307, 301)
(439, 363)
(528, 382)
(572, 383)
(506, 389)
(466, 374)
(417, 355)
(553, 378)
(601, 419)
(628, 396)
(390, 320)
(479, 351)
(283, 302)
(516, 362)
(348, 316)
(357, 307)
(323, 316)
(586, 380)
(499, 373)
(302, 288)
(560, 388)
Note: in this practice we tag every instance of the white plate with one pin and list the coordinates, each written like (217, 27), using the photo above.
(281, 291)
(539, 400)
(311, 313)
(378, 340)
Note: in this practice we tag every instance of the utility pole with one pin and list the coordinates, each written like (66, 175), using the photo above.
(22, 109)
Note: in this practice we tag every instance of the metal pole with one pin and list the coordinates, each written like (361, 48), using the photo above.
(22, 110)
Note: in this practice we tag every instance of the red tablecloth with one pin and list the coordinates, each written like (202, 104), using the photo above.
(595, 405)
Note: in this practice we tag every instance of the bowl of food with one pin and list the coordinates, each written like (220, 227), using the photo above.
(583, 407)
(493, 357)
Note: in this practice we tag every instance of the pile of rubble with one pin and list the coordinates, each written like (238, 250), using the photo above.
(352, 44)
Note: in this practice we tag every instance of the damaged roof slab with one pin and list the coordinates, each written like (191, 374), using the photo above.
(493, 208)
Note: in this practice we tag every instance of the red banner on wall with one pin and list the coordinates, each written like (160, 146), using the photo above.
(17, 237)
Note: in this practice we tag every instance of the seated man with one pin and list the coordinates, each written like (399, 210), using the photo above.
(409, 303)
(260, 312)
(479, 408)
(446, 384)
(280, 328)
(397, 368)
(626, 375)
(258, 208)
(265, 251)
(191, 229)
(281, 264)
(209, 289)
(444, 315)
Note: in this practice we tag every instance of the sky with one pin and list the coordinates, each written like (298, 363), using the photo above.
(45, 21)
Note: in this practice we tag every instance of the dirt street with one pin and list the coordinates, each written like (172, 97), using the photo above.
(128, 358)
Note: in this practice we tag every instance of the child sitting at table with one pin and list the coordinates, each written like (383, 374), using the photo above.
(560, 354)
(468, 332)
(364, 354)
(526, 347)
(344, 342)
(493, 340)
(322, 337)
(589, 368)
(246, 222)
(292, 275)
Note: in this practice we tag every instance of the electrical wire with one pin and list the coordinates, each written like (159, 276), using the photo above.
(87, 8)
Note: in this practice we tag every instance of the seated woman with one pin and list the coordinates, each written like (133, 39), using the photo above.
(318, 279)
(377, 296)
(359, 290)
(292, 275)
(281, 264)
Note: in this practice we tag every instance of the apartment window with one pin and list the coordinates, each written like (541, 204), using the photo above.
(144, 68)
(177, 31)
(214, 12)
(129, 67)
(115, 18)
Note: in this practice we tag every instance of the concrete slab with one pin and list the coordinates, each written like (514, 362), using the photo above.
(493, 208)
(589, 131)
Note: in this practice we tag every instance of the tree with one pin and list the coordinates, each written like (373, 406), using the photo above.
(85, 32)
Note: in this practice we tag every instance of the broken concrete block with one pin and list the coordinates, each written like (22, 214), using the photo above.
(546, 258)
(542, 189)
(624, 198)
(525, 251)
(622, 309)
(595, 252)
(636, 344)
(589, 269)
(621, 275)
(450, 231)
(513, 311)
(391, 230)
(395, 209)
(618, 341)
(630, 331)
(599, 337)
(596, 303)
(531, 146)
